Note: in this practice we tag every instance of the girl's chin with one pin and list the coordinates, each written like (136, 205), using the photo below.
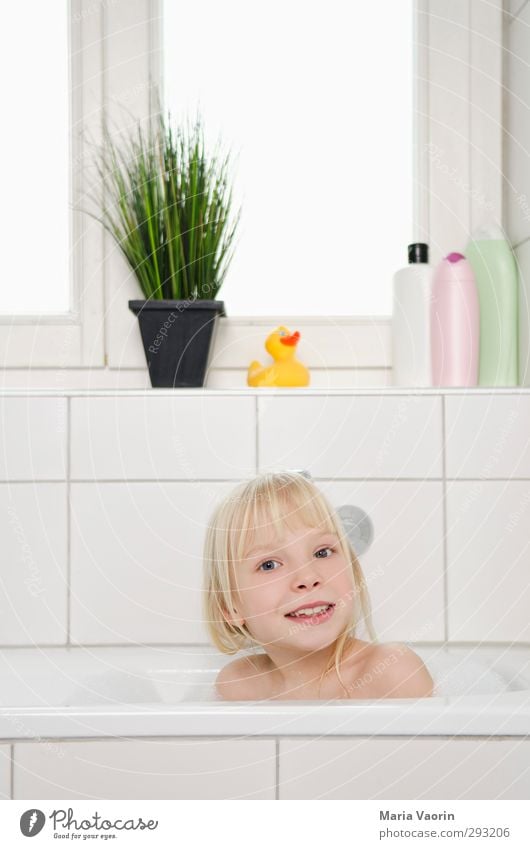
(313, 637)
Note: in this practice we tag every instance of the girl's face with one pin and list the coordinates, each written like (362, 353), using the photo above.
(305, 568)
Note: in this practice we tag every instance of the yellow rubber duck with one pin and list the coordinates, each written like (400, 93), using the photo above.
(286, 369)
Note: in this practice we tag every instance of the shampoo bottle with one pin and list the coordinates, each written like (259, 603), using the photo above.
(454, 323)
(495, 272)
(411, 359)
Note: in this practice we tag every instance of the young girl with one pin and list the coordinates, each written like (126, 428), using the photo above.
(281, 574)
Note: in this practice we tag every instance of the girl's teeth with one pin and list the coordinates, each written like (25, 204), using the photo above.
(310, 611)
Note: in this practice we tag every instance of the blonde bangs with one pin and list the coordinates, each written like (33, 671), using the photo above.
(271, 507)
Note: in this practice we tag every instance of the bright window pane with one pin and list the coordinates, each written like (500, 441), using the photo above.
(34, 147)
(316, 100)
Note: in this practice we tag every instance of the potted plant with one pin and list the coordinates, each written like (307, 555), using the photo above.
(169, 207)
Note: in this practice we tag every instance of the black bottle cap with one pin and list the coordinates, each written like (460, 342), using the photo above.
(418, 252)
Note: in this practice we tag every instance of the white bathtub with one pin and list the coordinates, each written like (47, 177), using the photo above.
(58, 693)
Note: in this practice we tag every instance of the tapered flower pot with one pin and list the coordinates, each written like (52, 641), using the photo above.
(178, 338)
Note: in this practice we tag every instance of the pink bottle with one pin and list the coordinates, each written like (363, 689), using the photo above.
(454, 323)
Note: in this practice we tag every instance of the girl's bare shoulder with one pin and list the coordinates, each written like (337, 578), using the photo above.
(396, 672)
(242, 679)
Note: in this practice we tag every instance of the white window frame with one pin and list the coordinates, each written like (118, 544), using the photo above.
(116, 46)
(71, 340)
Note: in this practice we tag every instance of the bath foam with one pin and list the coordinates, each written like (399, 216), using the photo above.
(464, 677)
(452, 676)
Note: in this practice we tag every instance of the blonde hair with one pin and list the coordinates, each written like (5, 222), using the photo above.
(280, 500)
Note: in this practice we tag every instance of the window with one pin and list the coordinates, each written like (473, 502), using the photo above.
(35, 151)
(316, 102)
(324, 130)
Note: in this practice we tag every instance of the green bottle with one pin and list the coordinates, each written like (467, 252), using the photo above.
(495, 271)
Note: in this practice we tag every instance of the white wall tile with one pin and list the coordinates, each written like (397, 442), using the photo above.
(404, 566)
(33, 563)
(402, 768)
(517, 163)
(34, 432)
(146, 769)
(352, 436)
(488, 436)
(163, 437)
(486, 111)
(137, 560)
(488, 550)
(5, 772)
(517, 126)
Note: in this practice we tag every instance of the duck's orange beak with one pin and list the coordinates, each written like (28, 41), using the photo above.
(293, 339)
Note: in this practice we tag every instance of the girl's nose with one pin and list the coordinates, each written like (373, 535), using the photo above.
(307, 574)
(308, 583)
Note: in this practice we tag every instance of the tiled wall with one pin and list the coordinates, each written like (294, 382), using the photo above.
(103, 504)
(104, 501)
(291, 768)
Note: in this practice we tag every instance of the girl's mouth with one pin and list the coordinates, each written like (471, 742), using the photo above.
(314, 619)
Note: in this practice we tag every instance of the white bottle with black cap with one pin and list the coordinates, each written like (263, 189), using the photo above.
(411, 348)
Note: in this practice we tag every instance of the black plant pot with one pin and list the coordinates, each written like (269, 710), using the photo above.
(177, 337)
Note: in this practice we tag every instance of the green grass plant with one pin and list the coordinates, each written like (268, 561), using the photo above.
(169, 206)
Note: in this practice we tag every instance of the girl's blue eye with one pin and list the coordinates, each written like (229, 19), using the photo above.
(265, 562)
(326, 548)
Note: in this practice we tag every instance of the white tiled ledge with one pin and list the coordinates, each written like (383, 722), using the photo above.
(205, 434)
(267, 392)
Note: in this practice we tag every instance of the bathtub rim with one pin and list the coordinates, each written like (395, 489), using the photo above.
(506, 715)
